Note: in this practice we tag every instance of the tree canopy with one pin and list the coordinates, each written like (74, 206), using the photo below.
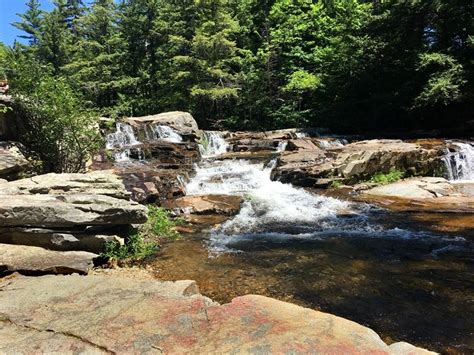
(350, 65)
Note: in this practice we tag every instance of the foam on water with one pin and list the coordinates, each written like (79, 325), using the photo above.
(281, 212)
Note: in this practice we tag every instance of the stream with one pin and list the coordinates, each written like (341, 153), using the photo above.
(382, 269)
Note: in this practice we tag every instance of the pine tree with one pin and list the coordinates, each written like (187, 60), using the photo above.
(99, 57)
(217, 61)
(31, 22)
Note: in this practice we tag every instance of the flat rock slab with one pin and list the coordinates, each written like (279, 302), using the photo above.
(99, 314)
(34, 260)
(67, 200)
(425, 194)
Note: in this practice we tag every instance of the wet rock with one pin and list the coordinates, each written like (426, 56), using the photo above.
(124, 315)
(182, 122)
(33, 260)
(282, 134)
(301, 144)
(249, 155)
(167, 154)
(253, 145)
(206, 205)
(425, 194)
(56, 239)
(12, 160)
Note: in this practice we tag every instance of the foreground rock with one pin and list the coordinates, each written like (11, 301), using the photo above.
(67, 211)
(309, 161)
(425, 194)
(12, 160)
(37, 261)
(101, 315)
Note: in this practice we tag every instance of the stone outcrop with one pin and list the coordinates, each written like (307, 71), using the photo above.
(425, 194)
(228, 205)
(66, 314)
(307, 162)
(182, 122)
(12, 160)
(37, 261)
(67, 211)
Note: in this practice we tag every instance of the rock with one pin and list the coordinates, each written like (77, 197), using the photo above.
(249, 155)
(307, 162)
(68, 200)
(402, 348)
(282, 134)
(36, 261)
(56, 239)
(124, 315)
(426, 194)
(301, 144)
(253, 145)
(12, 160)
(366, 158)
(206, 204)
(98, 183)
(182, 122)
(166, 154)
(68, 211)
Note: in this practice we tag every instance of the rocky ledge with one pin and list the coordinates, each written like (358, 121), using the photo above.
(103, 315)
(309, 163)
(66, 211)
(424, 194)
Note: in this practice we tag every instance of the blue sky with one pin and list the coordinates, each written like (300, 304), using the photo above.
(8, 11)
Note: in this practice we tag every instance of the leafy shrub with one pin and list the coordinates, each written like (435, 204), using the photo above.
(144, 243)
(383, 179)
(160, 224)
(57, 127)
(134, 249)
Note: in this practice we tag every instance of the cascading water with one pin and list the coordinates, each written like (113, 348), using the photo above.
(124, 138)
(280, 212)
(120, 141)
(213, 144)
(460, 162)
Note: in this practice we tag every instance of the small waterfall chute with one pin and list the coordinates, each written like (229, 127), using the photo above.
(459, 161)
(213, 143)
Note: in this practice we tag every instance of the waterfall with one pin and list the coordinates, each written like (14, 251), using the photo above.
(122, 137)
(460, 162)
(213, 144)
(167, 133)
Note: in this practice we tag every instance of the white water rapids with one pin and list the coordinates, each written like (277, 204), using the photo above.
(460, 162)
(281, 212)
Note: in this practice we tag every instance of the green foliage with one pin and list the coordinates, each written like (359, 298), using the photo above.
(57, 127)
(335, 184)
(135, 248)
(388, 178)
(261, 64)
(160, 224)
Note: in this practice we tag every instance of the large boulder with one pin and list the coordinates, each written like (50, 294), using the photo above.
(124, 315)
(181, 122)
(67, 211)
(308, 161)
(12, 160)
(68, 200)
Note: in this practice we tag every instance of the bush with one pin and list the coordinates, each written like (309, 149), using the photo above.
(383, 179)
(135, 248)
(144, 242)
(160, 224)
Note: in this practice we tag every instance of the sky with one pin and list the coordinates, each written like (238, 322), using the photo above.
(8, 11)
